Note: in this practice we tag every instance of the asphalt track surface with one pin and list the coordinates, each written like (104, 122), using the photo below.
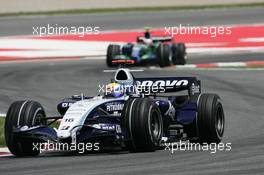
(116, 21)
(47, 82)
(240, 90)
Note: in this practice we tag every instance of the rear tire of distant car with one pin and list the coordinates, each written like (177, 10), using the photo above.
(210, 119)
(142, 120)
(163, 55)
(22, 113)
(178, 54)
(112, 51)
(127, 49)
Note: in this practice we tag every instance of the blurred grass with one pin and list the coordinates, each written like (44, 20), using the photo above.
(2, 131)
(55, 124)
(134, 9)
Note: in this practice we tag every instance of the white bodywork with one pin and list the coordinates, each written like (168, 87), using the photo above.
(75, 116)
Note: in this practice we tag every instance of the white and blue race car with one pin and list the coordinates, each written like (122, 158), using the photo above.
(135, 114)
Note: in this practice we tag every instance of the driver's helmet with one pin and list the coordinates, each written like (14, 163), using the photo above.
(114, 90)
(147, 41)
(147, 33)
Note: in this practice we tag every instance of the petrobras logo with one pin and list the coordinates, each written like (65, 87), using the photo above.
(163, 83)
(114, 106)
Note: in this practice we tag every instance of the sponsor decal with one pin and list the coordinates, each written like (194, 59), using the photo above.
(65, 127)
(104, 126)
(69, 120)
(66, 105)
(114, 106)
(163, 83)
(107, 127)
(195, 89)
(118, 129)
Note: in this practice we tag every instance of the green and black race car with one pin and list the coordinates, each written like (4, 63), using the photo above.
(162, 51)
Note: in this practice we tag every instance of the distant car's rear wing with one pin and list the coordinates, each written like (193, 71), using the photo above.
(156, 39)
(169, 84)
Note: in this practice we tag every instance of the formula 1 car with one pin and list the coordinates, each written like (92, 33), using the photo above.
(135, 114)
(154, 50)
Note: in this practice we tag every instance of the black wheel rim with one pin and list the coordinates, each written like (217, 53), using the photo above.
(155, 125)
(39, 119)
(219, 121)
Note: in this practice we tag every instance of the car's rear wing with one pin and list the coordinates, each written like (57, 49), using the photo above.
(156, 39)
(169, 84)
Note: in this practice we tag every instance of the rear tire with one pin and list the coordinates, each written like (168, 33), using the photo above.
(22, 113)
(112, 51)
(163, 55)
(210, 119)
(142, 120)
(127, 49)
(178, 54)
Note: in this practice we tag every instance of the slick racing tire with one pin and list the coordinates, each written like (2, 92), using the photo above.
(127, 49)
(210, 119)
(112, 51)
(142, 120)
(22, 113)
(178, 54)
(163, 55)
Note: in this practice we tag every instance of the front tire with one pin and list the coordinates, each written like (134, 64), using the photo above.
(112, 51)
(143, 122)
(22, 113)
